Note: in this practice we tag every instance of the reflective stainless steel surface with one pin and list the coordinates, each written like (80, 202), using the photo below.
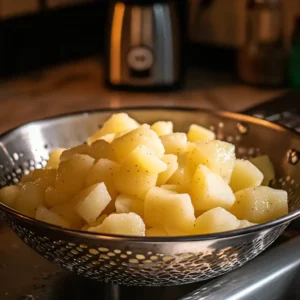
(141, 260)
(275, 275)
(143, 44)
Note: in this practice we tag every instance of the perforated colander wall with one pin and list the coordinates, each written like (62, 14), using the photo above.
(144, 262)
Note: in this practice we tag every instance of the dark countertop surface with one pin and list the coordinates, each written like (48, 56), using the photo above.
(79, 86)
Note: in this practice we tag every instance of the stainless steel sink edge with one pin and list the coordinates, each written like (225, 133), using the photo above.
(274, 275)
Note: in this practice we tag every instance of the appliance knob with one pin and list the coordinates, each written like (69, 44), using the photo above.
(140, 58)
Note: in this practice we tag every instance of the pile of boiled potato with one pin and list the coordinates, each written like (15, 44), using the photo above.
(133, 179)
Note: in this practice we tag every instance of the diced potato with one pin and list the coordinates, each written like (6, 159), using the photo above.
(197, 133)
(103, 171)
(245, 175)
(102, 149)
(260, 204)
(71, 174)
(143, 135)
(98, 222)
(172, 165)
(126, 204)
(169, 210)
(81, 149)
(208, 190)
(218, 156)
(179, 183)
(183, 175)
(107, 138)
(162, 127)
(131, 182)
(47, 179)
(175, 143)
(264, 164)
(123, 224)
(216, 220)
(156, 232)
(9, 195)
(245, 224)
(121, 133)
(174, 187)
(34, 175)
(93, 201)
(54, 158)
(54, 197)
(29, 199)
(67, 212)
(116, 123)
(143, 159)
(48, 216)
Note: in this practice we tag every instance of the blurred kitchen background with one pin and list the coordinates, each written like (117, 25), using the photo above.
(64, 55)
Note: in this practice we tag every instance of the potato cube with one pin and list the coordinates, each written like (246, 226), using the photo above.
(116, 123)
(245, 175)
(98, 222)
(264, 164)
(156, 232)
(35, 174)
(107, 138)
(132, 182)
(102, 149)
(67, 212)
(54, 197)
(126, 204)
(169, 210)
(143, 135)
(162, 127)
(71, 174)
(183, 175)
(93, 201)
(48, 216)
(47, 178)
(172, 165)
(9, 195)
(245, 224)
(175, 143)
(208, 190)
(216, 220)
(174, 187)
(103, 171)
(144, 159)
(260, 204)
(197, 133)
(54, 158)
(29, 199)
(123, 224)
(218, 156)
(121, 133)
(81, 149)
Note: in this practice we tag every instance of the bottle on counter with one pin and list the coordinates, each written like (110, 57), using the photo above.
(262, 60)
(294, 58)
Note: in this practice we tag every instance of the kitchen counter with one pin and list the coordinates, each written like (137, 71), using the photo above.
(79, 86)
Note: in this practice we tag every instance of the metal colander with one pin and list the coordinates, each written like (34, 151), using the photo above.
(149, 261)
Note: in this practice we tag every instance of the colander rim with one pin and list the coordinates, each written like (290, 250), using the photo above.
(164, 239)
